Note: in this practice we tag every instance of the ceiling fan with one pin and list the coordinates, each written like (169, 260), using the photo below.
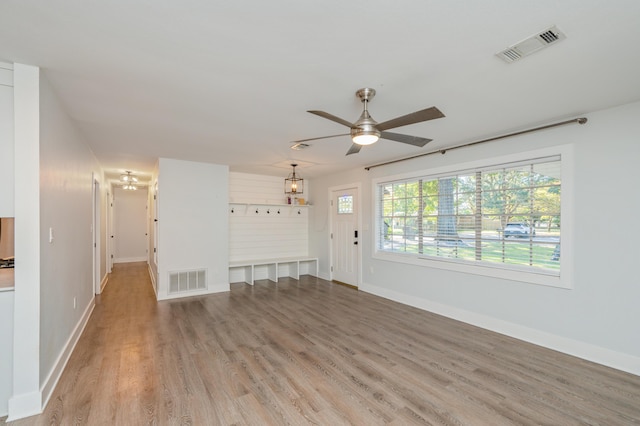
(367, 131)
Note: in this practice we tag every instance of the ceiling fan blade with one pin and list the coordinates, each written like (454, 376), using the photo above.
(355, 148)
(332, 118)
(411, 140)
(321, 137)
(414, 117)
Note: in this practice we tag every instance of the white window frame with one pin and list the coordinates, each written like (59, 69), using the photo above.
(508, 272)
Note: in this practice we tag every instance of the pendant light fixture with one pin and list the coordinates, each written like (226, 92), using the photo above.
(293, 185)
(129, 181)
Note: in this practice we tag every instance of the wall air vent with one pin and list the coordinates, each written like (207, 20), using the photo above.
(532, 44)
(185, 281)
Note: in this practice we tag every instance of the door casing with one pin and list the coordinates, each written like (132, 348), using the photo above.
(358, 220)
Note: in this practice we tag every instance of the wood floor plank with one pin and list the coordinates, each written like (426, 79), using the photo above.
(310, 352)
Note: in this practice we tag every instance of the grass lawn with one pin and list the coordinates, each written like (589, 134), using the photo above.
(509, 252)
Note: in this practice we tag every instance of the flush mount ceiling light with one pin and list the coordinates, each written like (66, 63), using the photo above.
(293, 185)
(129, 181)
(128, 177)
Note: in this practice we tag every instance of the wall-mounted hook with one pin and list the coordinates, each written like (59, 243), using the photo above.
(257, 210)
(299, 211)
(268, 211)
(233, 210)
(278, 211)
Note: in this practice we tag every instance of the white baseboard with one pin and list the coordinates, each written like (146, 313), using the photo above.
(153, 280)
(25, 405)
(130, 259)
(103, 283)
(587, 351)
(54, 375)
(325, 277)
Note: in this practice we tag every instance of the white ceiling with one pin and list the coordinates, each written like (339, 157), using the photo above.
(229, 82)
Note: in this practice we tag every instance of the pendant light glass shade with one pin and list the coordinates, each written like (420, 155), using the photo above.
(129, 181)
(293, 185)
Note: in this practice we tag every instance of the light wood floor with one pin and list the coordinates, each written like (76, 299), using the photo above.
(312, 352)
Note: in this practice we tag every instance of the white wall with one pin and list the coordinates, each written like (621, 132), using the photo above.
(598, 318)
(6, 141)
(26, 398)
(67, 167)
(54, 172)
(193, 222)
(276, 230)
(130, 225)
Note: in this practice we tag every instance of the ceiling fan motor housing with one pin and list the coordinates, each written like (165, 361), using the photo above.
(367, 131)
(364, 130)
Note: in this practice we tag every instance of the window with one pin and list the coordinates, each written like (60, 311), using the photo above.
(501, 217)
(345, 204)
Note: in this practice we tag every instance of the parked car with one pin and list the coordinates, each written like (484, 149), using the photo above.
(518, 229)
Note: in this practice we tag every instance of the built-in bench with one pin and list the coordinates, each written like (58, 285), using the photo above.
(296, 266)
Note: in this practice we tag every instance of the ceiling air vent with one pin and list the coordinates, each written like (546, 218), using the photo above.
(532, 44)
(300, 146)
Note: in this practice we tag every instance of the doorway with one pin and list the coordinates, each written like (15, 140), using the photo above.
(129, 236)
(345, 236)
(95, 228)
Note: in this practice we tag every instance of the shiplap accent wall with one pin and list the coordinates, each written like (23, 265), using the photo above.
(265, 234)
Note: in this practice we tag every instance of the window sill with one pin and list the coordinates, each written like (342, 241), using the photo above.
(496, 271)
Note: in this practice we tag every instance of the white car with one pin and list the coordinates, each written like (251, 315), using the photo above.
(518, 229)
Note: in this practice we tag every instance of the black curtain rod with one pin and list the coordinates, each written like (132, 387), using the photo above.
(580, 120)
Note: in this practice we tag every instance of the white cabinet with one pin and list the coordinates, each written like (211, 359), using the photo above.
(6, 141)
(6, 354)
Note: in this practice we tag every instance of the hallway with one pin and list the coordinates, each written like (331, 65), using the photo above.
(312, 352)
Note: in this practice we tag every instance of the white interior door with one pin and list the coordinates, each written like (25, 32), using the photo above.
(96, 236)
(345, 265)
(110, 230)
(130, 223)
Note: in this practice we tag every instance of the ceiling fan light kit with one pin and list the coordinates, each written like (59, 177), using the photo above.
(367, 131)
(364, 130)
